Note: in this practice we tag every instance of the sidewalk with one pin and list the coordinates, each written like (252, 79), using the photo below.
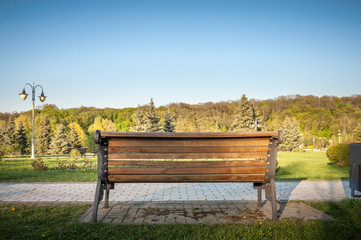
(307, 190)
(183, 202)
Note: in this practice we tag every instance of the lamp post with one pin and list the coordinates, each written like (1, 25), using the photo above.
(42, 97)
(339, 136)
(255, 124)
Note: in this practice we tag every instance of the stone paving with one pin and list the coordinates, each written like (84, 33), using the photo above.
(306, 190)
(184, 202)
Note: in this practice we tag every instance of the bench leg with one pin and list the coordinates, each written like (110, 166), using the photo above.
(271, 196)
(106, 199)
(99, 191)
(259, 198)
(259, 188)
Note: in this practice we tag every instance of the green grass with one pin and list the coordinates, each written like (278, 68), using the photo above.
(59, 222)
(20, 170)
(308, 165)
(291, 166)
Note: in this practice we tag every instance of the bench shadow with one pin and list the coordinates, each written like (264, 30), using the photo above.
(284, 191)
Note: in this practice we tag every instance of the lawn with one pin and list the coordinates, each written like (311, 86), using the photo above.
(20, 221)
(308, 165)
(291, 166)
(20, 170)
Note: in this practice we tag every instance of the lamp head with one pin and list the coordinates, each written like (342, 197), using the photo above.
(23, 95)
(42, 97)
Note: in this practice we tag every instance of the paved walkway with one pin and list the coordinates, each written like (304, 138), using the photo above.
(184, 202)
(307, 190)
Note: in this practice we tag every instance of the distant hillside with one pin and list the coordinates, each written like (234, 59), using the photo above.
(319, 117)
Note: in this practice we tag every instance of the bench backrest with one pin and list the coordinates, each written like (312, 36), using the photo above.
(187, 157)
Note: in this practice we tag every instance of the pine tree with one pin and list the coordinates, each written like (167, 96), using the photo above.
(59, 142)
(152, 119)
(73, 137)
(244, 117)
(292, 136)
(7, 137)
(138, 121)
(43, 136)
(169, 125)
(21, 139)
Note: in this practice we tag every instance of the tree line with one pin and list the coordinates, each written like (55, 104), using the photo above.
(305, 120)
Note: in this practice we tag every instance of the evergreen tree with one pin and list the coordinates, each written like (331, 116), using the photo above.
(152, 119)
(169, 125)
(138, 121)
(43, 136)
(21, 139)
(244, 117)
(292, 136)
(9, 137)
(73, 137)
(4, 146)
(59, 142)
(80, 132)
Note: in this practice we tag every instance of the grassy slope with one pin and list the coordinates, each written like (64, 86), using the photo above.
(292, 165)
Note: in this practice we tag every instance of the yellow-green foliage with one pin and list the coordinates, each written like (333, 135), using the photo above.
(38, 164)
(339, 153)
(74, 153)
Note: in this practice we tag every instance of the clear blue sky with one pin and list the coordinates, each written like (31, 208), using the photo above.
(121, 53)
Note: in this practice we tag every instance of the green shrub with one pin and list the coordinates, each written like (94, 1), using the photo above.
(38, 164)
(74, 153)
(339, 153)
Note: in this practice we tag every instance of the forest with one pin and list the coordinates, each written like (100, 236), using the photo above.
(318, 122)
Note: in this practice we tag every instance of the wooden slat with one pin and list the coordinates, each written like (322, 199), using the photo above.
(126, 142)
(273, 134)
(188, 178)
(191, 164)
(166, 149)
(179, 171)
(187, 155)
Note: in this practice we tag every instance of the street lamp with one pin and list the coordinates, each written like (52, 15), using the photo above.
(256, 125)
(42, 97)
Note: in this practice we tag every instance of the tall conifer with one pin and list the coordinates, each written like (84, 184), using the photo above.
(244, 117)
(43, 136)
(73, 137)
(59, 142)
(169, 125)
(292, 136)
(152, 119)
(21, 139)
(138, 121)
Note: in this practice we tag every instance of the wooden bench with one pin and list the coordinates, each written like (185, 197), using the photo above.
(143, 157)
